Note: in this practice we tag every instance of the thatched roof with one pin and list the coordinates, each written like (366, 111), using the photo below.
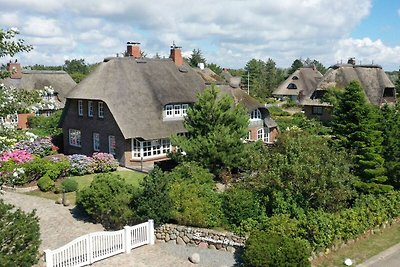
(61, 82)
(305, 79)
(372, 78)
(136, 91)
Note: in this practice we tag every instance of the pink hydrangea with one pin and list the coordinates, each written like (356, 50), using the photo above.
(18, 156)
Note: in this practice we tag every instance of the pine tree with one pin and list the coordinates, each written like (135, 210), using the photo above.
(355, 124)
(215, 130)
(196, 57)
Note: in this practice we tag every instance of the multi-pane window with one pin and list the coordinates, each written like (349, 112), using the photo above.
(262, 134)
(150, 148)
(175, 111)
(75, 137)
(96, 141)
(317, 110)
(248, 135)
(255, 115)
(100, 109)
(112, 146)
(168, 111)
(184, 109)
(80, 107)
(90, 108)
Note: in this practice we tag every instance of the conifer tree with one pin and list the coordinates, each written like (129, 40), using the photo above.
(215, 130)
(355, 124)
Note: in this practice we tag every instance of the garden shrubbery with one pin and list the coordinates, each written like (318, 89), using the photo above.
(69, 185)
(107, 201)
(81, 164)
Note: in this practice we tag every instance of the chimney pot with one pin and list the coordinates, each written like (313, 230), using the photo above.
(133, 49)
(14, 69)
(176, 55)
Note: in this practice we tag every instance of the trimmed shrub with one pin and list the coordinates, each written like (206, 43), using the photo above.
(45, 183)
(268, 250)
(104, 162)
(107, 201)
(69, 185)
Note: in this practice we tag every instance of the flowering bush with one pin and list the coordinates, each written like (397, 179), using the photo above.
(12, 173)
(41, 146)
(18, 156)
(9, 137)
(104, 162)
(81, 164)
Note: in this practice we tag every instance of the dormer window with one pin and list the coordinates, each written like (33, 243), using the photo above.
(292, 86)
(295, 78)
(175, 111)
(255, 115)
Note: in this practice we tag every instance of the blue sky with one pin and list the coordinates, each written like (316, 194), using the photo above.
(228, 32)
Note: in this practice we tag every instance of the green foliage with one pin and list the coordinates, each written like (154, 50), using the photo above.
(305, 173)
(299, 121)
(194, 199)
(45, 183)
(266, 250)
(240, 204)
(297, 64)
(355, 124)
(107, 201)
(69, 185)
(215, 68)
(196, 57)
(77, 68)
(154, 201)
(215, 130)
(49, 125)
(19, 235)
(39, 167)
(262, 77)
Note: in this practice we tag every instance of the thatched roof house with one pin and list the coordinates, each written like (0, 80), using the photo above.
(377, 86)
(303, 81)
(29, 80)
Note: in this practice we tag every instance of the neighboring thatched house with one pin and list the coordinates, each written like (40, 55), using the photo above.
(54, 85)
(302, 82)
(130, 106)
(377, 86)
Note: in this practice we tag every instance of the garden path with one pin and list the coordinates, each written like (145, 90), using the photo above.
(60, 225)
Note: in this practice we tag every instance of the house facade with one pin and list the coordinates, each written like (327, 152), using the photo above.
(130, 106)
(378, 88)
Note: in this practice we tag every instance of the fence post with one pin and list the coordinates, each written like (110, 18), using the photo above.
(48, 258)
(89, 248)
(150, 232)
(127, 239)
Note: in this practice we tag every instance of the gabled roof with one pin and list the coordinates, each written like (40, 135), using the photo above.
(372, 78)
(305, 79)
(61, 82)
(136, 91)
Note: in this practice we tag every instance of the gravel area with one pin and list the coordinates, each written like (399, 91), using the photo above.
(60, 225)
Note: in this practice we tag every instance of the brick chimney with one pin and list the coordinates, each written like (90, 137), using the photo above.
(176, 55)
(133, 49)
(15, 70)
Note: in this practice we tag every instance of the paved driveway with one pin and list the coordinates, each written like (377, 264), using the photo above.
(58, 226)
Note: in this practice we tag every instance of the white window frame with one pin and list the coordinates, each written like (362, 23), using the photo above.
(178, 110)
(255, 115)
(80, 108)
(100, 109)
(74, 136)
(263, 134)
(169, 111)
(184, 109)
(112, 144)
(150, 148)
(90, 109)
(96, 141)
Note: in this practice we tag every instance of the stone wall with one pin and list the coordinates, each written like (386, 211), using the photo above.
(205, 238)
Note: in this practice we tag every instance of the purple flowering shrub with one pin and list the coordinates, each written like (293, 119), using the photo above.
(41, 147)
(104, 162)
(81, 164)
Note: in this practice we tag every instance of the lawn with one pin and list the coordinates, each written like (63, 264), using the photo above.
(363, 249)
(131, 177)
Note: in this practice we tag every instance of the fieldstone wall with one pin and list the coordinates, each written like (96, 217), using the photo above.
(205, 238)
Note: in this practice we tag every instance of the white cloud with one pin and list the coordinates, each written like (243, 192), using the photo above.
(228, 32)
(367, 51)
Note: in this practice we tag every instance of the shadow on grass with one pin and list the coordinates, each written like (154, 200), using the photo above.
(238, 257)
(80, 215)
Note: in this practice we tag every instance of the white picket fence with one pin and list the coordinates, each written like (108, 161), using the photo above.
(93, 247)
